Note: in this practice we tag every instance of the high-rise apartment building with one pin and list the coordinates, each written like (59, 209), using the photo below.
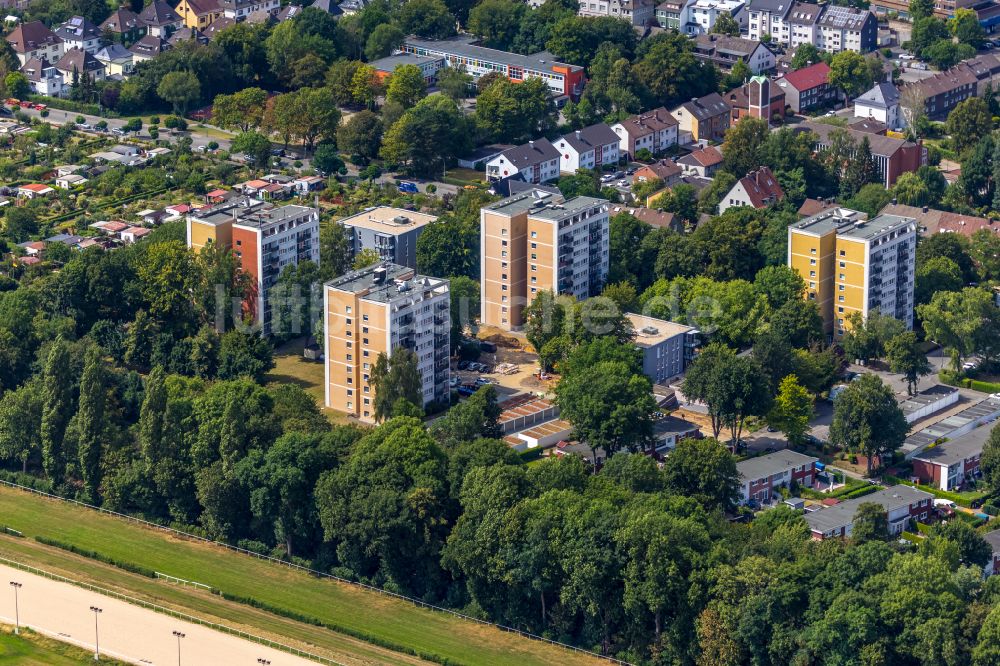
(851, 264)
(265, 239)
(392, 232)
(538, 241)
(374, 311)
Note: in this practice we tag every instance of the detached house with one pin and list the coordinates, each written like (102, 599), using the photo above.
(705, 118)
(589, 148)
(655, 131)
(33, 40)
(724, 52)
(148, 48)
(199, 14)
(666, 170)
(160, 19)
(77, 64)
(238, 10)
(43, 78)
(117, 60)
(80, 33)
(808, 88)
(536, 162)
(124, 24)
(881, 103)
(760, 477)
(758, 189)
(703, 162)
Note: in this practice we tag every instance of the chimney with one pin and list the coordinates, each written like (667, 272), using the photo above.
(578, 135)
(924, 209)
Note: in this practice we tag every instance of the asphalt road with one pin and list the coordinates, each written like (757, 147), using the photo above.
(126, 632)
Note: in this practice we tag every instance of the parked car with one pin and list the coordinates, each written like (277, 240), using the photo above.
(463, 365)
(408, 187)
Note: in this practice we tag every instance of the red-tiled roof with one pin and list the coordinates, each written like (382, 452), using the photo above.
(809, 77)
(216, 193)
(708, 156)
(762, 187)
(35, 187)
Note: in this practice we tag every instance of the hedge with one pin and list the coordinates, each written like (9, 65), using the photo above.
(10, 531)
(949, 378)
(69, 105)
(94, 555)
(962, 499)
(858, 492)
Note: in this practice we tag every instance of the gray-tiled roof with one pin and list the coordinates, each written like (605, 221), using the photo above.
(779, 7)
(595, 135)
(841, 515)
(159, 13)
(707, 107)
(882, 96)
(531, 153)
(78, 28)
(845, 18)
(460, 45)
(764, 466)
(958, 449)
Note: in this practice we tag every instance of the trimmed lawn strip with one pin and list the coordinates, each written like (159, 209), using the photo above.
(356, 609)
(38, 650)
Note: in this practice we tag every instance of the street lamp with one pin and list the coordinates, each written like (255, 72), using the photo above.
(17, 614)
(179, 636)
(97, 640)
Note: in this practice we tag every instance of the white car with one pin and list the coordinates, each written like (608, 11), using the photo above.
(623, 183)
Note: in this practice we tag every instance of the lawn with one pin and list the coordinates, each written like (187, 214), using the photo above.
(354, 609)
(32, 649)
(290, 367)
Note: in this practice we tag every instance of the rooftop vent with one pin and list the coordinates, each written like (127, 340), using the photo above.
(650, 330)
(401, 219)
(379, 275)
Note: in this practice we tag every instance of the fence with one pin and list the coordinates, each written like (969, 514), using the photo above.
(260, 640)
(314, 572)
(175, 579)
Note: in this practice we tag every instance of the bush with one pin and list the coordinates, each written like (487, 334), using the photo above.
(213, 145)
(80, 120)
(154, 120)
(44, 113)
(990, 510)
(174, 122)
(94, 555)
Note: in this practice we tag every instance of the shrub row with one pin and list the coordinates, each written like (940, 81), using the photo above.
(70, 105)
(858, 492)
(94, 555)
(27, 480)
(958, 498)
(948, 377)
(316, 622)
(10, 531)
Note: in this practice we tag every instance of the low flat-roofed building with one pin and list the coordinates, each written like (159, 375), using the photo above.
(522, 412)
(901, 503)
(544, 435)
(761, 476)
(429, 65)
(928, 401)
(956, 425)
(667, 347)
(951, 464)
(391, 232)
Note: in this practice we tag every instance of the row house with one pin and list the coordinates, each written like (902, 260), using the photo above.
(950, 465)
(825, 26)
(589, 148)
(760, 477)
(34, 40)
(943, 91)
(655, 131)
(892, 156)
(902, 504)
(808, 88)
(724, 52)
(639, 13)
(704, 118)
(536, 162)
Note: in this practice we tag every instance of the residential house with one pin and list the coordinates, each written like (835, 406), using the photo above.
(943, 9)
(160, 19)
(199, 14)
(667, 347)
(563, 79)
(670, 430)
(117, 60)
(34, 40)
(289, 12)
(672, 14)
(893, 156)
(651, 216)
(34, 190)
(152, 217)
(535, 161)
(43, 78)
(328, 6)
(702, 14)
(992, 567)
(761, 476)
(133, 234)
(868, 126)
(147, 48)
(218, 25)
(954, 463)
(239, 10)
(902, 505)
(77, 64)
(881, 103)
(666, 170)
(812, 207)
(124, 24)
(589, 148)
(847, 29)
(69, 181)
(639, 13)
(306, 184)
(705, 118)
(758, 189)
(32, 248)
(186, 34)
(757, 98)
(79, 33)
(932, 221)
(802, 24)
(654, 130)
(808, 88)
(260, 17)
(939, 93)
(767, 17)
(67, 169)
(724, 52)
(703, 162)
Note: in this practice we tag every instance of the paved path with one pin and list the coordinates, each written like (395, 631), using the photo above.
(127, 632)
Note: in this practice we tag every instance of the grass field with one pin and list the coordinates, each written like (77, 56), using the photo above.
(290, 367)
(398, 622)
(31, 649)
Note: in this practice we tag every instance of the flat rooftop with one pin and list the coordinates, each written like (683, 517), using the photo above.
(264, 217)
(875, 227)
(568, 208)
(850, 224)
(650, 331)
(983, 410)
(390, 63)
(673, 425)
(384, 282)
(839, 515)
(388, 219)
(228, 210)
(524, 201)
(958, 449)
(764, 466)
(524, 408)
(541, 61)
(928, 396)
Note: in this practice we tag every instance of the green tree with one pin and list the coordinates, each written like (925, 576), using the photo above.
(152, 420)
(243, 110)
(449, 247)
(609, 406)
(360, 136)
(969, 122)
(395, 378)
(861, 169)
(934, 275)
(966, 28)
(927, 31)
(508, 111)
(17, 85)
(989, 463)
(497, 22)
(426, 18)
(973, 550)
(792, 410)
(427, 136)
(625, 235)
(871, 523)
(867, 419)
(57, 401)
(365, 258)
(957, 320)
(742, 146)
(905, 357)
(806, 54)
(953, 246)
(454, 82)
(468, 421)
(850, 72)
(406, 86)
(726, 25)
(384, 39)
(20, 424)
(326, 159)
(867, 337)
(669, 72)
(779, 285)
(91, 420)
(180, 89)
(910, 190)
(920, 9)
(704, 470)
(255, 146)
(244, 355)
